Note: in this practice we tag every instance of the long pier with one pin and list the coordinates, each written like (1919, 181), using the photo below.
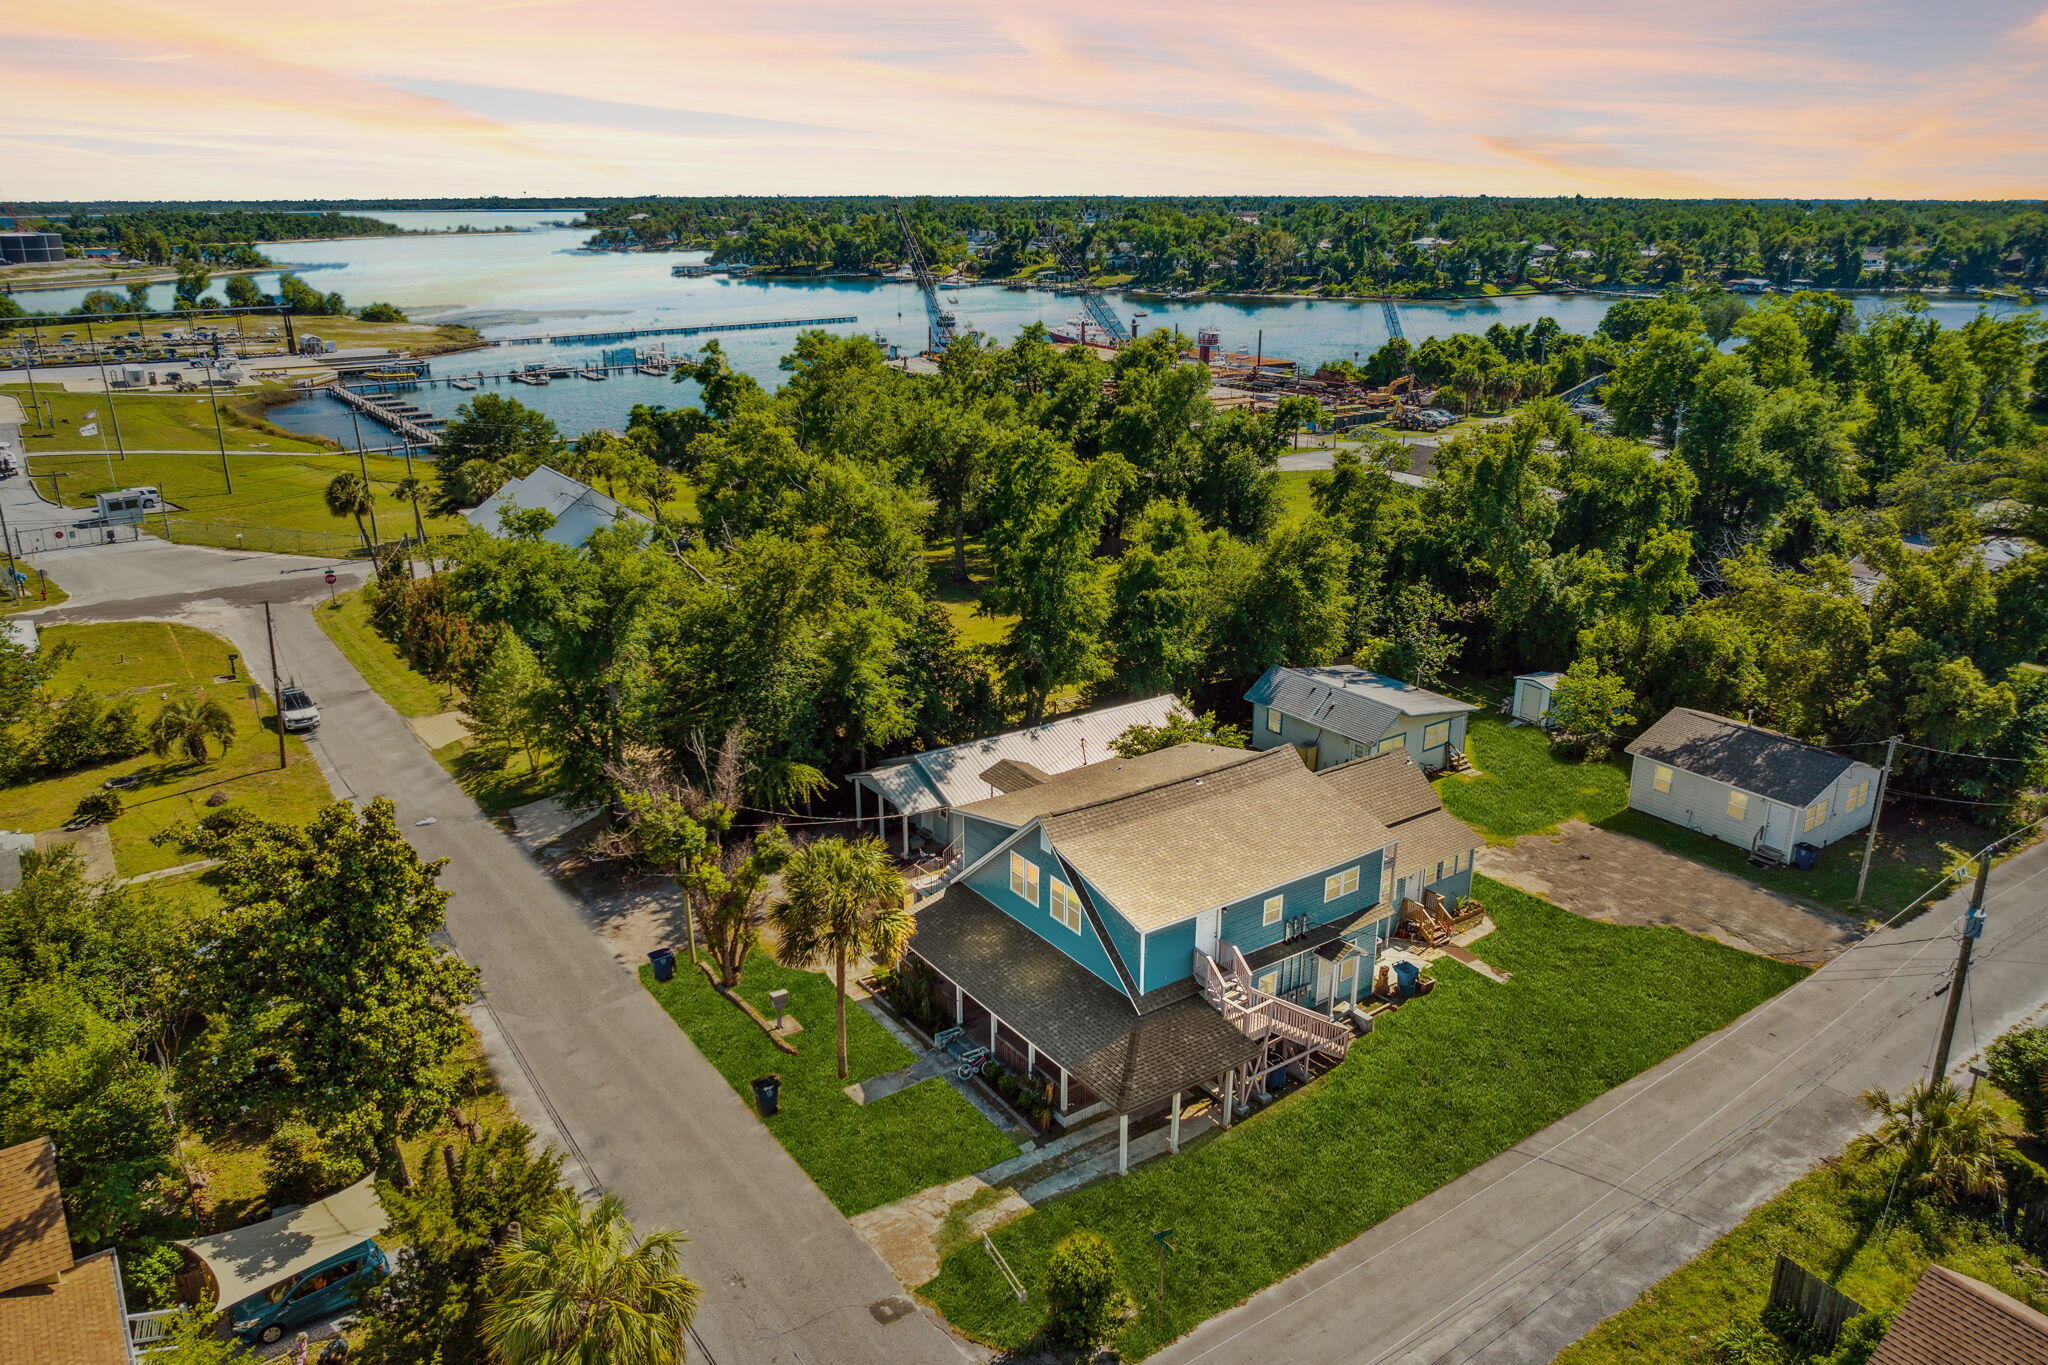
(398, 422)
(698, 330)
(553, 370)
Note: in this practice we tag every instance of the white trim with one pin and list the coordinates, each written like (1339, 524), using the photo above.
(1272, 910)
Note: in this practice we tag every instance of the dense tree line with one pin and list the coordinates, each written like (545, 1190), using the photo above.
(164, 235)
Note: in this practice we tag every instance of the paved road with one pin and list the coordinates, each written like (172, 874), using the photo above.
(586, 1051)
(1521, 1257)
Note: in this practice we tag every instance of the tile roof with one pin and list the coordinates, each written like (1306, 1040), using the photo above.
(1397, 792)
(35, 1245)
(1772, 765)
(1129, 1059)
(1355, 702)
(1173, 850)
(958, 776)
(1102, 781)
(1951, 1319)
(79, 1320)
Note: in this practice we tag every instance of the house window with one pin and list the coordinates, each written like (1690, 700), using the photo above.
(1272, 720)
(1389, 744)
(1269, 983)
(1436, 733)
(1661, 779)
(1347, 972)
(1859, 796)
(1340, 884)
(1439, 873)
(1738, 805)
(1817, 813)
(1024, 877)
(1387, 882)
(1273, 904)
(1066, 906)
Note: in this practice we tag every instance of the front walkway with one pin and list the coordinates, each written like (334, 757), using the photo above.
(1607, 876)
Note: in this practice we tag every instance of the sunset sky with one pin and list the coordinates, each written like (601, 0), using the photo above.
(235, 99)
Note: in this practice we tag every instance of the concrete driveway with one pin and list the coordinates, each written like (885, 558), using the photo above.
(587, 1057)
(1607, 876)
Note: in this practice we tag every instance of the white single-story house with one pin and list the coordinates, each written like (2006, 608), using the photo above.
(578, 509)
(1755, 788)
(1531, 701)
(1339, 712)
(923, 790)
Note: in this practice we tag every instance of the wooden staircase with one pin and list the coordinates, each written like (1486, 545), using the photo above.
(1288, 1034)
(1762, 855)
(1455, 761)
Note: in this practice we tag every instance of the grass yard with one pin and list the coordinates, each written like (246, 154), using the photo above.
(1830, 1221)
(1522, 788)
(148, 421)
(861, 1156)
(962, 601)
(41, 591)
(150, 661)
(1436, 1090)
(1293, 486)
(346, 620)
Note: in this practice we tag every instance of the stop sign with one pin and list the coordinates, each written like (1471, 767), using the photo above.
(330, 578)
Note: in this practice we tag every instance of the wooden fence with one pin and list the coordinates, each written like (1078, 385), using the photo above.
(1819, 1304)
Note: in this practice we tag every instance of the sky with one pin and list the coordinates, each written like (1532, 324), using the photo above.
(561, 98)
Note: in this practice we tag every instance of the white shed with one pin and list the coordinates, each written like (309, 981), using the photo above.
(1531, 703)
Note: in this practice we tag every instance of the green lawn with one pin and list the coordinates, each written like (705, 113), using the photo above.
(861, 1156)
(151, 661)
(1293, 485)
(1436, 1090)
(42, 591)
(347, 622)
(1522, 788)
(962, 601)
(1831, 1222)
(148, 421)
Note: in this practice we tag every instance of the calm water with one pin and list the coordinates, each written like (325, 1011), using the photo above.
(537, 281)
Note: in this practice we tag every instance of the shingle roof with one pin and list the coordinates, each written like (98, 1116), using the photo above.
(80, 1320)
(1173, 850)
(1103, 781)
(1014, 774)
(958, 776)
(556, 493)
(1355, 702)
(1951, 1319)
(1771, 765)
(35, 1246)
(1127, 1058)
(1403, 799)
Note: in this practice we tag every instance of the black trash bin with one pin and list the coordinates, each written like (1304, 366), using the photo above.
(664, 960)
(768, 1094)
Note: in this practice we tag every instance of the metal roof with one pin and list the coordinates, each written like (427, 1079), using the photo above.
(578, 509)
(1355, 702)
(1748, 757)
(249, 1260)
(958, 775)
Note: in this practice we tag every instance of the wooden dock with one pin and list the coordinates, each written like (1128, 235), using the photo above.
(698, 330)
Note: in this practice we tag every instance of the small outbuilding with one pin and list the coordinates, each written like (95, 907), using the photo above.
(1531, 702)
(1761, 790)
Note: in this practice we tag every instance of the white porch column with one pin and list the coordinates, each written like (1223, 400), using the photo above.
(995, 1028)
(903, 837)
(856, 807)
(959, 1005)
(1064, 1106)
(1173, 1127)
(1123, 1144)
(1229, 1093)
(1030, 1056)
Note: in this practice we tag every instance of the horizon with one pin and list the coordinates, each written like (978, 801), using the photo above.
(1821, 100)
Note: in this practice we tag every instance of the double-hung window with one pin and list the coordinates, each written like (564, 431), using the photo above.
(1858, 797)
(1817, 813)
(1272, 720)
(1066, 906)
(1024, 878)
(1661, 778)
(1340, 884)
(1738, 805)
(1389, 744)
(1271, 914)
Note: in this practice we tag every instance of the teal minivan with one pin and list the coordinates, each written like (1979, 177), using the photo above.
(318, 1291)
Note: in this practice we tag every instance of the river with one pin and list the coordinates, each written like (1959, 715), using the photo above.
(537, 281)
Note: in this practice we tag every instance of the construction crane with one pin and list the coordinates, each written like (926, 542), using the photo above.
(1099, 312)
(943, 324)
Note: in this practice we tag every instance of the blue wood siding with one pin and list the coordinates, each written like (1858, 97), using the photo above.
(992, 883)
(1243, 922)
(979, 837)
(1121, 932)
(1169, 955)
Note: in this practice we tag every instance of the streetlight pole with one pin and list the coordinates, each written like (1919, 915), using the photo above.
(1973, 929)
(276, 686)
(369, 493)
(1891, 747)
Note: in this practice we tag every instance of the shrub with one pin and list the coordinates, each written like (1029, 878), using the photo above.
(98, 808)
(1748, 1343)
(381, 312)
(149, 1268)
(2019, 1067)
(299, 1164)
(1084, 1300)
(84, 730)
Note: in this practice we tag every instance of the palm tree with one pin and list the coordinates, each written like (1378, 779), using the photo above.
(578, 1288)
(408, 489)
(1946, 1142)
(187, 723)
(348, 495)
(841, 899)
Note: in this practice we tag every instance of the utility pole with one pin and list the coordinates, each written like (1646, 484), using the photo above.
(7, 539)
(1973, 929)
(1891, 747)
(369, 492)
(113, 416)
(213, 397)
(276, 686)
(35, 402)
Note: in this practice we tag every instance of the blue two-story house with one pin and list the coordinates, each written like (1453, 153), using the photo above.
(1138, 929)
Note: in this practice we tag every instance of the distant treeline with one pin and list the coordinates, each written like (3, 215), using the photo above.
(1416, 246)
(163, 236)
(494, 201)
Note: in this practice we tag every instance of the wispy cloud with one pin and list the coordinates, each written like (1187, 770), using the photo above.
(1761, 97)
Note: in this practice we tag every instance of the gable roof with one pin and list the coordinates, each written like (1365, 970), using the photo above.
(963, 774)
(1355, 702)
(1402, 798)
(35, 1244)
(53, 1310)
(578, 509)
(1951, 1319)
(1168, 851)
(1772, 765)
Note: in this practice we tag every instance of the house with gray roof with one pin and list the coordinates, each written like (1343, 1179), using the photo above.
(1755, 788)
(578, 509)
(922, 790)
(1339, 712)
(1136, 930)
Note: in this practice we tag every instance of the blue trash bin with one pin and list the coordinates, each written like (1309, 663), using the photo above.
(1407, 977)
(664, 960)
(1805, 856)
